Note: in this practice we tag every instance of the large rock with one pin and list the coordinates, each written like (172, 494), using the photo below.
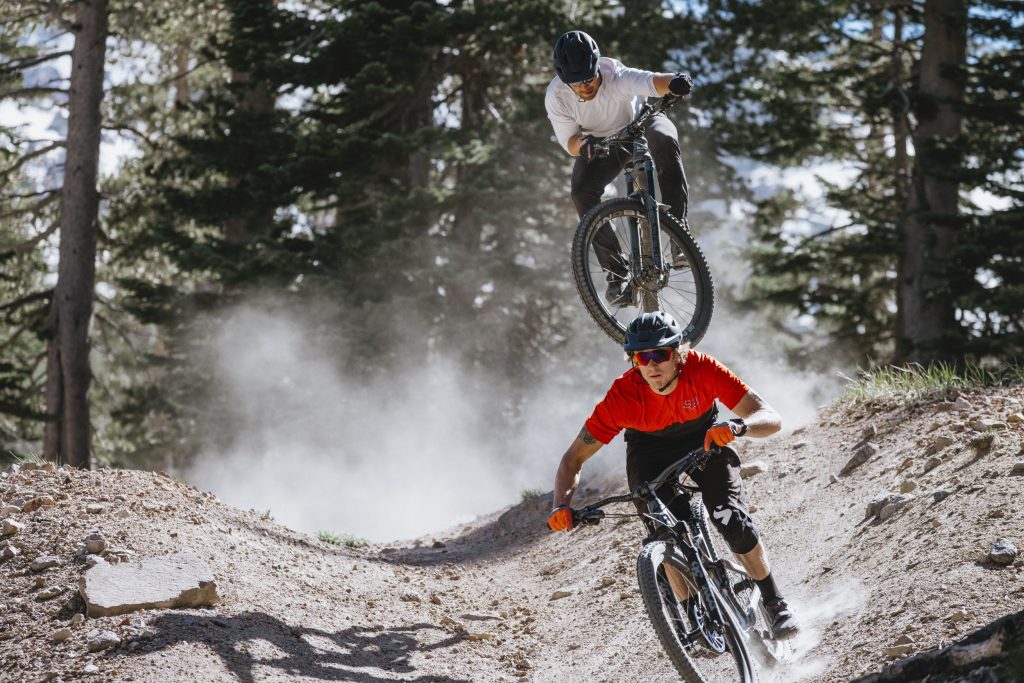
(1003, 552)
(861, 455)
(939, 443)
(886, 500)
(180, 580)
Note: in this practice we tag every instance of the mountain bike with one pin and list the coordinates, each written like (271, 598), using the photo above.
(709, 636)
(634, 243)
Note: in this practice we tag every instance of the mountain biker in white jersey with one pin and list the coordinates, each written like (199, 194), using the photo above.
(592, 97)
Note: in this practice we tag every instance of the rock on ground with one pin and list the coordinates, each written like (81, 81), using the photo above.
(180, 580)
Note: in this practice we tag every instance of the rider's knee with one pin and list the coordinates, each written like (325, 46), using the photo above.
(736, 528)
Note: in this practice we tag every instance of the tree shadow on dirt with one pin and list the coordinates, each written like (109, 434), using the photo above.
(248, 641)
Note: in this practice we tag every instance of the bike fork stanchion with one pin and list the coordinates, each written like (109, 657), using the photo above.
(635, 263)
(651, 203)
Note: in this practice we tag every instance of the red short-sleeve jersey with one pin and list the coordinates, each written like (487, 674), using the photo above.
(630, 403)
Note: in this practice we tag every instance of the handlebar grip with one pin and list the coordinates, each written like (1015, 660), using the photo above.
(585, 516)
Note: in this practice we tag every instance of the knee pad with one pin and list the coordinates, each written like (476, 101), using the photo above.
(736, 528)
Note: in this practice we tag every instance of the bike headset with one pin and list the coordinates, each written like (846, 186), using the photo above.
(575, 56)
(654, 330)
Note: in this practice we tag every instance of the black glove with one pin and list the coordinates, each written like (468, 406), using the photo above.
(681, 85)
(587, 151)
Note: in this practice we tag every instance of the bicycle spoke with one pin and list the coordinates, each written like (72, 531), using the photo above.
(616, 285)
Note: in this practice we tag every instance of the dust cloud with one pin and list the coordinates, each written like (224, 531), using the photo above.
(380, 449)
(814, 614)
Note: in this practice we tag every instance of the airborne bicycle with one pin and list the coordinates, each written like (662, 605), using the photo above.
(637, 241)
(711, 636)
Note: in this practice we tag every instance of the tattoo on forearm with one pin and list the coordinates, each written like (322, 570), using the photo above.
(587, 437)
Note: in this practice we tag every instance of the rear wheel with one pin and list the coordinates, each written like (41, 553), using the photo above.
(673, 627)
(601, 260)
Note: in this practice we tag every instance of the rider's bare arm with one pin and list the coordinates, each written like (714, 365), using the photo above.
(761, 418)
(661, 82)
(574, 144)
(568, 476)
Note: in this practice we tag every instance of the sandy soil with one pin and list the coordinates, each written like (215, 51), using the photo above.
(475, 603)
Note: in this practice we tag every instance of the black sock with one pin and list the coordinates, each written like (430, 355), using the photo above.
(769, 591)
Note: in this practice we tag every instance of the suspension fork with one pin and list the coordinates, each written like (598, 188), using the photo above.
(645, 192)
(651, 204)
(633, 189)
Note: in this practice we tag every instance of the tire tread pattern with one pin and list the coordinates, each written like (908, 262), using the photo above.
(677, 229)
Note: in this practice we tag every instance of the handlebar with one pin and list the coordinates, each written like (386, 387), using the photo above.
(694, 460)
(634, 129)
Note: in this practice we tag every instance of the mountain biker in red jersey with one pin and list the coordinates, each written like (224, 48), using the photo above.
(666, 404)
(593, 97)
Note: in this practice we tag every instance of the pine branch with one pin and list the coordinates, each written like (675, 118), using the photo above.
(19, 64)
(22, 247)
(27, 299)
(35, 90)
(186, 72)
(125, 337)
(49, 197)
(823, 233)
(122, 127)
(48, 8)
(29, 157)
(16, 334)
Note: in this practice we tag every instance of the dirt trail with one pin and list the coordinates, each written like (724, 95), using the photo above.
(476, 604)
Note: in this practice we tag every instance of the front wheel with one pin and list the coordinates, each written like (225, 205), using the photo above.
(694, 660)
(615, 288)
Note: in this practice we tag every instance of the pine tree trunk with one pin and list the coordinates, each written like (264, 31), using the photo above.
(182, 91)
(68, 436)
(256, 101)
(900, 105)
(926, 327)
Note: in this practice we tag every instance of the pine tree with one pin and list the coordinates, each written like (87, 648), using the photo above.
(855, 92)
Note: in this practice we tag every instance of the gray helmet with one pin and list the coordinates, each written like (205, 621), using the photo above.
(576, 56)
(651, 331)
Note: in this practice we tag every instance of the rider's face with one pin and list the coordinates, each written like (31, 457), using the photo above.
(657, 374)
(587, 90)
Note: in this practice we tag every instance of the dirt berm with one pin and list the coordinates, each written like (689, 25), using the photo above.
(504, 600)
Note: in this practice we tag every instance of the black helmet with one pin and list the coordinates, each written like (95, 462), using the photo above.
(652, 331)
(576, 56)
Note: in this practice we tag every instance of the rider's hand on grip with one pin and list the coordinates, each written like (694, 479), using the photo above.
(723, 433)
(587, 151)
(681, 85)
(560, 518)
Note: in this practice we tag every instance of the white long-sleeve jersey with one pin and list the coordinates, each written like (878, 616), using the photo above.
(623, 91)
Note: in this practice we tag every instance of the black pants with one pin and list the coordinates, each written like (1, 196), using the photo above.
(720, 484)
(590, 178)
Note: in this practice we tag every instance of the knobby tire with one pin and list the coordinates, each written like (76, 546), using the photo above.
(694, 316)
(660, 609)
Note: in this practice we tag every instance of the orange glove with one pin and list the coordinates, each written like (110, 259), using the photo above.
(560, 518)
(723, 433)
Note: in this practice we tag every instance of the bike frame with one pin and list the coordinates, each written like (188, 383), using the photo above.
(683, 541)
(686, 540)
(644, 191)
(640, 185)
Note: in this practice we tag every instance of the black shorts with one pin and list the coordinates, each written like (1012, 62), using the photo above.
(647, 455)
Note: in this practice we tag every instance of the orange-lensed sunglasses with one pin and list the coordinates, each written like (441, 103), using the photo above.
(652, 356)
